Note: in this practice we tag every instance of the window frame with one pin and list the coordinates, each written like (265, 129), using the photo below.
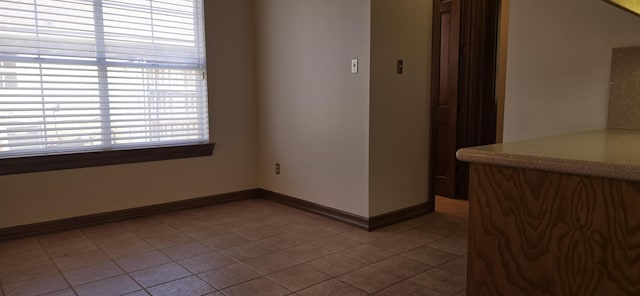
(96, 158)
(43, 163)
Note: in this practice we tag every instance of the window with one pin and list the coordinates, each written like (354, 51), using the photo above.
(83, 76)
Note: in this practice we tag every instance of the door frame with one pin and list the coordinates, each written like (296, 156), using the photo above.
(478, 67)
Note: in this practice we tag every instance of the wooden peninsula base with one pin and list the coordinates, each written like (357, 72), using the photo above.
(558, 216)
(537, 232)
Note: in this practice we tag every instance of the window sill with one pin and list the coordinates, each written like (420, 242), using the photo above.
(33, 164)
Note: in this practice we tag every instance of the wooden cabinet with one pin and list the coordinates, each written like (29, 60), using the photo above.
(535, 232)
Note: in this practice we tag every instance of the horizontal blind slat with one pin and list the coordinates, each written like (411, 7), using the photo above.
(177, 131)
(84, 121)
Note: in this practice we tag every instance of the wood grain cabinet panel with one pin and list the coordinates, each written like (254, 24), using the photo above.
(544, 233)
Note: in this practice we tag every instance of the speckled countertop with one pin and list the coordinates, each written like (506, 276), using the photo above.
(611, 153)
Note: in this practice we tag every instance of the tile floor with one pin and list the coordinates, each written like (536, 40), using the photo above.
(252, 247)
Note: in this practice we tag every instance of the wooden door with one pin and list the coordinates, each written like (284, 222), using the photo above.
(463, 105)
(446, 109)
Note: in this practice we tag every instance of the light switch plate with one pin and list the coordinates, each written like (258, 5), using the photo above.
(354, 66)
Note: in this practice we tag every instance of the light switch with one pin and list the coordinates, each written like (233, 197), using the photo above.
(354, 66)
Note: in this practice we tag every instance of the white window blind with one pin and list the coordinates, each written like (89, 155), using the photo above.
(91, 75)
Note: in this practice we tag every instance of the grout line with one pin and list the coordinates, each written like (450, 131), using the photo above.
(56, 265)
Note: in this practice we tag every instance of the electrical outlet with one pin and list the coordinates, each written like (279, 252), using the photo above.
(354, 66)
(277, 168)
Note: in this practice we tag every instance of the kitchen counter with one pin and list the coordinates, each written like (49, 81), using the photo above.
(610, 153)
(555, 216)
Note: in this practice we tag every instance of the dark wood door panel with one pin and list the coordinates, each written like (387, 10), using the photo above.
(463, 102)
(445, 121)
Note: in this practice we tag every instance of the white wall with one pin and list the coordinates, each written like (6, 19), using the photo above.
(558, 66)
(313, 113)
(36, 197)
(399, 110)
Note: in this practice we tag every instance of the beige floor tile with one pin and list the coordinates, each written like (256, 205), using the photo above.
(259, 232)
(283, 241)
(92, 273)
(65, 292)
(456, 244)
(205, 232)
(367, 253)
(421, 236)
(407, 288)
(119, 236)
(125, 248)
(402, 267)
(331, 287)
(457, 266)
(149, 227)
(138, 293)
(179, 218)
(119, 285)
(269, 263)
(106, 232)
(443, 225)
(429, 255)
(298, 277)
(160, 274)
(13, 248)
(313, 233)
(19, 258)
(260, 286)
(246, 251)
(396, 228)
(304, 253)
(206, 262)
(337, 243)
(369, 279)
(186, 251)
(191, 286)
(61, 249)
(36, 286)
(74, 260)
(441, 281)
(142, 261)
(226, 241)
(395, 244)
(280, 260)
(335, 264)
(168, 240)
(61, 238)
(335, 226)
(189, 221)
(29, 269)
(365, 236)
(229, 275)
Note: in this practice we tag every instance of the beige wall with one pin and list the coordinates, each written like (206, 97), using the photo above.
(30, 198)
(281, 91)
(558, 66)
(399, 108)
(313, 113)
